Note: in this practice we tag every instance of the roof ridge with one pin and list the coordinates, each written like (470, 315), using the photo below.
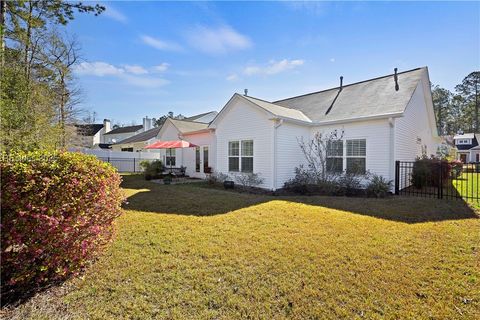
(191, 121)
(348, 85)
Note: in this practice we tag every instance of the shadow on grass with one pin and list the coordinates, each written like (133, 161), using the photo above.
(202, 200)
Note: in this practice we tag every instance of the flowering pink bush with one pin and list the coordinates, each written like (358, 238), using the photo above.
(58, 210)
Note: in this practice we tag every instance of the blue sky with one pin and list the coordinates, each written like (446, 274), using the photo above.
(148, 58)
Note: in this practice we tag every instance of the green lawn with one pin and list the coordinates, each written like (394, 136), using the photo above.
(190, 252)
(467, 185)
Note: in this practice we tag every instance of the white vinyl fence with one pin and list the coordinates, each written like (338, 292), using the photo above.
(123, 161)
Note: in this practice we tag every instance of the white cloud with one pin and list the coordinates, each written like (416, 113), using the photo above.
(98, 69)
(114, 14)
(135, 69)
(273, 67)
(145, 82)
(161, 67)
(217, 40)
(332, 59)
(134, 75)
(160, 44)
(232, 77)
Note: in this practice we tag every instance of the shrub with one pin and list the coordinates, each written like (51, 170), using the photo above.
(58, 210)
(248, 180)
(217, 177)
(308, 182)
(350, 184)
(152, 169)
(301, 182)
(426, 172)
(378, 186)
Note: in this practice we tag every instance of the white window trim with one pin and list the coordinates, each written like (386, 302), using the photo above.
(240, 155)
(463, 141)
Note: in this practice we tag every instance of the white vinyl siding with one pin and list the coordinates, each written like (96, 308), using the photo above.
(413, 133)
(243, 121)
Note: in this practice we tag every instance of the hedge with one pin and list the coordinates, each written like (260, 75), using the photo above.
(58, 212)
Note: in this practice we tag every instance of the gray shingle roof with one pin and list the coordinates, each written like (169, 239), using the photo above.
(88, 129)
(127, 129)
(197, 116)
(278, 110)
(143, 136)
(188, 126)
(374, 97)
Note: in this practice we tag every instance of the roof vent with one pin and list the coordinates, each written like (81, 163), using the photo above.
(245, 92)
(395, 77)
(336, 97)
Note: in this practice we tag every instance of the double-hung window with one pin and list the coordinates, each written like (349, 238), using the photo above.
(356, 156)
(170, 157)
(334, 160)
(346, 155)
(240, 156)
(247, 156)
(234, 156)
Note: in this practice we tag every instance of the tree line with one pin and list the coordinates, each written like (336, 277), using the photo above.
(39, 97)
(458, 111)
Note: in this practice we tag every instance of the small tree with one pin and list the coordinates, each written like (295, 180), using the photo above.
(321, 154)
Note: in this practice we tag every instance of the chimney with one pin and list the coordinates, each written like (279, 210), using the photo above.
(107, 125)
(147, 123)
(341, 82)
(245, 92)
(395, 77)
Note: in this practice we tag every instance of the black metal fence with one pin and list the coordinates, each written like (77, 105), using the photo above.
(125, 164)
(440, 179)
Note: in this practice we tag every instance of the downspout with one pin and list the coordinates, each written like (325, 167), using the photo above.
(277, 123)
(391, 122)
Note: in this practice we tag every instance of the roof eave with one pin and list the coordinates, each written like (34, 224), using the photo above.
(198, 131)
(341, 121)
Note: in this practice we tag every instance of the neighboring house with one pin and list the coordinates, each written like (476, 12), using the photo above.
(468, 148)
(91, 135)
(137, 142)
(122, 133)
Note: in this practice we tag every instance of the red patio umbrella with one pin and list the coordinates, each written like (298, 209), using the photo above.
(174, 144)
(171, 145)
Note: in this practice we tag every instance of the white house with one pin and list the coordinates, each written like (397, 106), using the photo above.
(384, 119)
(121, 133)
(91, 135)
(468, 148)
